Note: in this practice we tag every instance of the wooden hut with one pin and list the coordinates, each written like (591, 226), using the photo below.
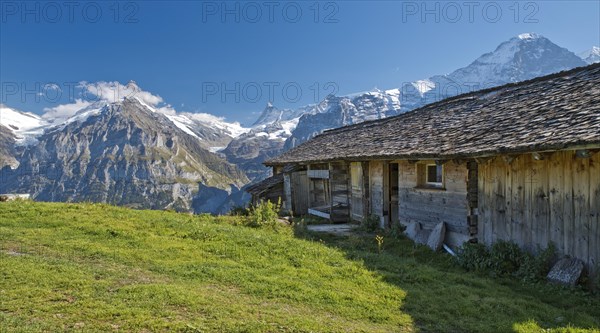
(288, 184)
(519, 162)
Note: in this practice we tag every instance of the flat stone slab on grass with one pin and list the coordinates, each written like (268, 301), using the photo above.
(422, 236)
(417, 234)
(566, 271)
(336, 229)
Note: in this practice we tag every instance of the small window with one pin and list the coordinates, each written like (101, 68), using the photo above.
(434, 174)
(430, 175)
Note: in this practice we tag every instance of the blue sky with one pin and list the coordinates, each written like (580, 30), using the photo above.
(231, 58)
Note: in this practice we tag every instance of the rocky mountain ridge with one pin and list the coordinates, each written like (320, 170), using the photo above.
(125, 154)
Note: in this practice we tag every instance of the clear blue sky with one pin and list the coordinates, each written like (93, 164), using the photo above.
(185, 50)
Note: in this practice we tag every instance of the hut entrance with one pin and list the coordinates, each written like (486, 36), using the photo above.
(300, 192)
(328, 191)
(319, 198)
(340, 197)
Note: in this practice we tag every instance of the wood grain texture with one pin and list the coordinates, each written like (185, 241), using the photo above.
(536, 202)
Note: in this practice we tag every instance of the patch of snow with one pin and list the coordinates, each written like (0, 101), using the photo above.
(146, 105)
(180, 123)
(234, 129)
(83, 114)
(26, 126)
(216, 149)
(186, 122)
(290, 125)
(529, 35)
(423, 86)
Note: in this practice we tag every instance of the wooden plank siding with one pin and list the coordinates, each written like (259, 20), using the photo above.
(357, 206)
(299, 191)
(376, 187)
(287, 192)
(339, 178)
(594, 244)
(534, 202)
(432, 206)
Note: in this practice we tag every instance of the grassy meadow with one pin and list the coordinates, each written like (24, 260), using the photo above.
(94, 267)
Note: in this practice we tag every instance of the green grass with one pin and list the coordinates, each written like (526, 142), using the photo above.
(90, 267)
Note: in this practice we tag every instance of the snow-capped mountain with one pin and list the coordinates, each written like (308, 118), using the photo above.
(521, 58)
(591, 56)
(122, 153)
(336, 111)
(264, 140)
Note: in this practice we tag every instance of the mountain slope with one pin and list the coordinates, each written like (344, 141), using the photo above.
(7, 148)
(125, 154)
(213, 133)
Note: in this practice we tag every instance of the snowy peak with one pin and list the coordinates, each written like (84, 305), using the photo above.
(527, 50)
(529, 35)
(272, 114)
(591, 56)
(25, 126)
(520, 58)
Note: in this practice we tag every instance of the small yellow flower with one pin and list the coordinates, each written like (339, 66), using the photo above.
(379, 240)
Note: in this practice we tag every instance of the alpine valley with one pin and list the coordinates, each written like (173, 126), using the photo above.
(131, 152)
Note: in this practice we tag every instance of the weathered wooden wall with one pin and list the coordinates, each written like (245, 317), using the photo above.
(339, 178)
(299, 192)
(432, 206)
(357, 195)
(534, 202)
(376, 190)
(287, 192)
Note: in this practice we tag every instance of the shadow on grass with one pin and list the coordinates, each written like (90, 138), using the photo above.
(442, 297)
